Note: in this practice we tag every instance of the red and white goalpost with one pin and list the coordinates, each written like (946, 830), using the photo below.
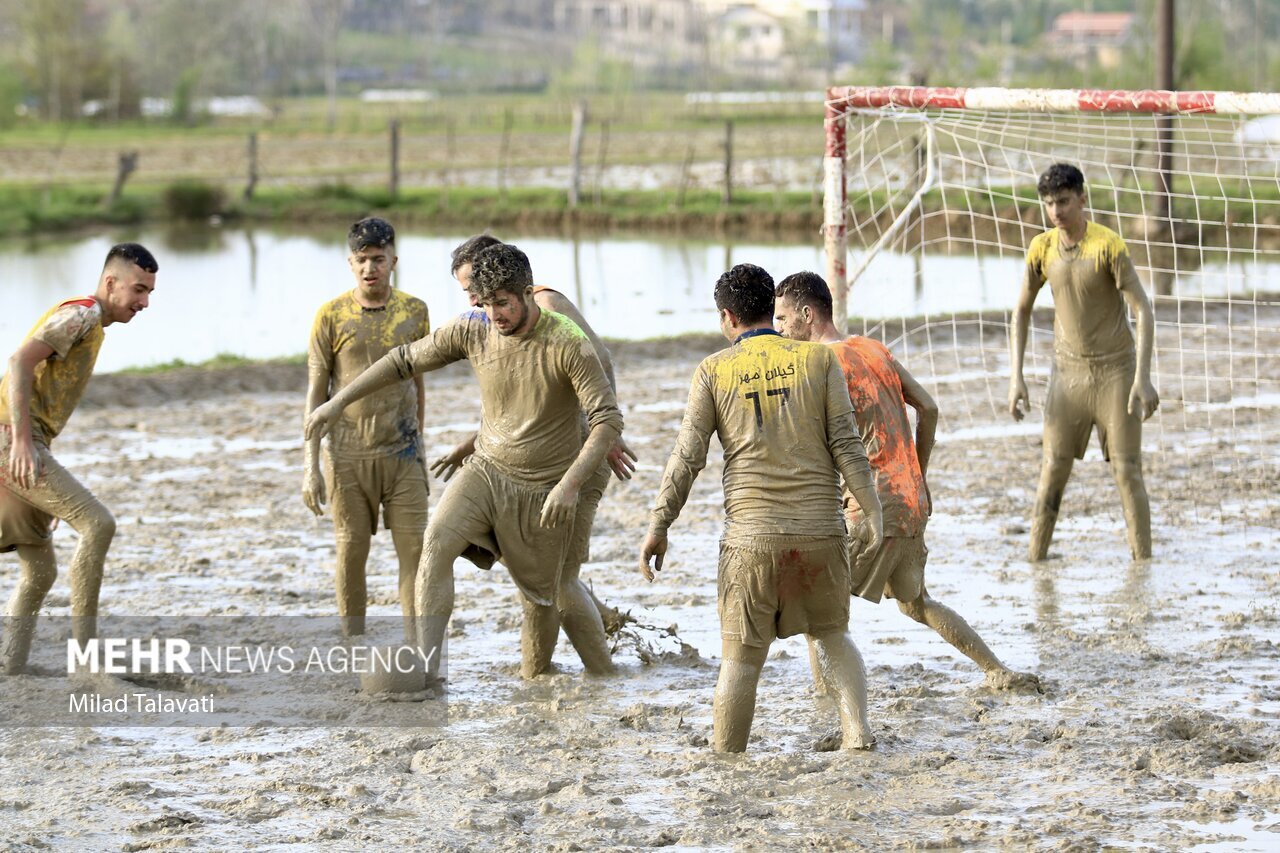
(934, 186)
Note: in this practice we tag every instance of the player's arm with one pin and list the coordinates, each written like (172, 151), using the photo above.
(446, 466)
(851, 456)
(604, 424)
(622, 460)
(443, 346)
(1032, 281)
(24, 461)
(687, 460)
(319, 381)
(914, 395)
(1143, 399)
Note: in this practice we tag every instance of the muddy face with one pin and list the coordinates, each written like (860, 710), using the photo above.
(372, 267)
(510, 313)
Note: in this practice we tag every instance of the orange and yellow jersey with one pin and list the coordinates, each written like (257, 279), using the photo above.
(346, 339)
(1089, 318)
(73, 329)
(876, 392)
(783, 417)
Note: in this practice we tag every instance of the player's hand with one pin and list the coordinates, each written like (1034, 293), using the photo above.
(655, 548)
(928, 498)
(313, 492)
(871, 532)
(1019, 401)
(446, 466)
(24, 463)
(1143, 399)
(560, 506)
(622, 459)
(320, 421)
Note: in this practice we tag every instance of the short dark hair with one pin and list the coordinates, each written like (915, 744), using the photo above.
(747, 291)
(500, 267)
(134, 253)
(467, 251)
(1059, 177)
(370, 233)
(807, 288)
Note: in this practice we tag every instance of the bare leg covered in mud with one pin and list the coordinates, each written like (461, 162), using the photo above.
(61, 495)
(952, 628)
(39, 570)
(433, 594)
(408, 544)
(1127, 471)
(1054, 472)
(352, 593)
(734, 706)
(580, 612)
(840, 666)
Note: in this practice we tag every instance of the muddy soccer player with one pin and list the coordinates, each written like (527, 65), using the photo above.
(881, 389)
(782, 414)
(515, 497)
(45, 380)
(375, 455)
(1099, 377)
(541, 625)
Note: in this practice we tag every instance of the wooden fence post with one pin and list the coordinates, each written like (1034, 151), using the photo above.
(600, 161)
(253, 167)
(503, 152)
(726, 196)
(125, 166)
(394, 183)
(575, 152)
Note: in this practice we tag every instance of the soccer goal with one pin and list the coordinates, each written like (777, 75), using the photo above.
(930, 204)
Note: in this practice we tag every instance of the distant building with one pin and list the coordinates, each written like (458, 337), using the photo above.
(644, 31)
(1092, 39)
(758, 38)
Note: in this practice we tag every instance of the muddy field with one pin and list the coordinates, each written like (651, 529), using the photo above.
(1158, 728)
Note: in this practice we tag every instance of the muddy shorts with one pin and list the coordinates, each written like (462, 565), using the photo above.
(20, 522)
(897, 571)
(579, 549)
(357, 487)
(782, 586)
(1084, 393)
(499, 517)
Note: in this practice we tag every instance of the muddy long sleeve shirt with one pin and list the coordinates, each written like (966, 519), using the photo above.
(782, 413)
(532, 388)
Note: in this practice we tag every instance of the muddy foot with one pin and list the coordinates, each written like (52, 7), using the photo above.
(1007, 679)
(833, 741)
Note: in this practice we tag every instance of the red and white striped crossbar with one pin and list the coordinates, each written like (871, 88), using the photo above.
(842, 98)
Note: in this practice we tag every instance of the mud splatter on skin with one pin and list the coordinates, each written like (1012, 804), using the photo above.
(1158, 728)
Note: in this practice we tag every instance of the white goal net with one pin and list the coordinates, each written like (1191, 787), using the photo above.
(931, 205)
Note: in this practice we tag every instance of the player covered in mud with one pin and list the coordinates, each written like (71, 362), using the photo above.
(880, 389)
(1099, 378)
(515, 497)
(541, 625)
(782, 414)
(45, 380)
(375, 455)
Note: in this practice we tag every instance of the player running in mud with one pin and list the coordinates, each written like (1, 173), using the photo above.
(515, 497)
(375, 455)
(541, 625)
(44, 382)
(1099, 377)
(782, 414)
(880, 389)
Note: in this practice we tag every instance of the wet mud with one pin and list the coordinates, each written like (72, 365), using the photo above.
(1158, 727)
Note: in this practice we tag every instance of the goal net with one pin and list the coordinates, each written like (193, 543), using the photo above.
(930, 205)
